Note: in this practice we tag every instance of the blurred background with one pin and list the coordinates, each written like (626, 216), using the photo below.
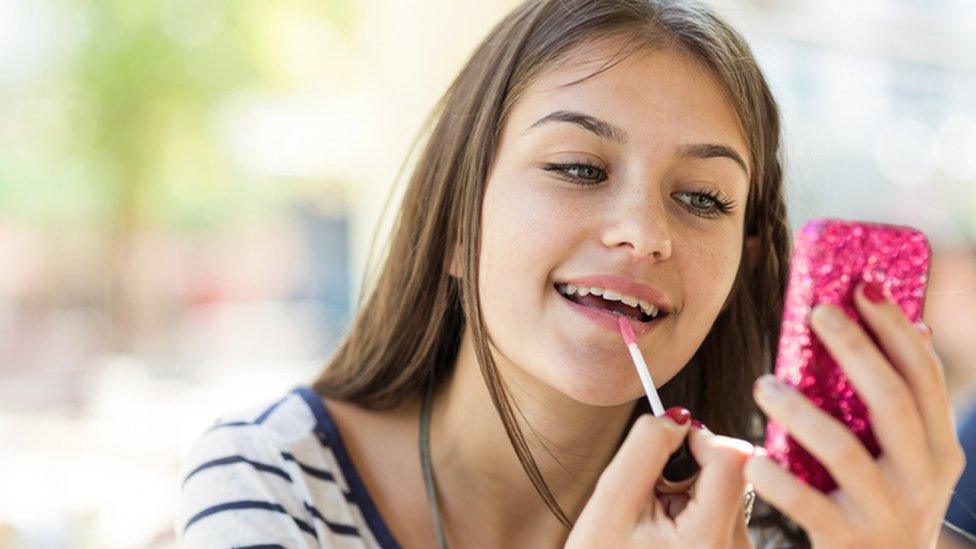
(188, 192)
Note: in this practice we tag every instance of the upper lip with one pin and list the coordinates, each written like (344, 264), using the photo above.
(623, 285)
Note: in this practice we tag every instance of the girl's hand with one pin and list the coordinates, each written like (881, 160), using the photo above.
(899, 499)
(624, 512)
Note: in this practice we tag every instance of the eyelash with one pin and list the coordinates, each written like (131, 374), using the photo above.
(720, 206)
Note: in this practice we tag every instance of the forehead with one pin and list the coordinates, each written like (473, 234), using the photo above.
(659, 97)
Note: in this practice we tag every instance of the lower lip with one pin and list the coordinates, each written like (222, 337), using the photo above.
(608, 320)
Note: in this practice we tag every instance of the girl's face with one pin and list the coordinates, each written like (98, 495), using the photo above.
(611, 176)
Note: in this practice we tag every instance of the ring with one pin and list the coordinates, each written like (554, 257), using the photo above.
(747, 500)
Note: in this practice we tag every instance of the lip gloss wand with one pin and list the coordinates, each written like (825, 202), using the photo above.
(627, 331)
(682, 468)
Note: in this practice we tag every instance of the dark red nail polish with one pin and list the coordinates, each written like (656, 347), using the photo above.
(874, 292)
(678, 414)
(697, 424)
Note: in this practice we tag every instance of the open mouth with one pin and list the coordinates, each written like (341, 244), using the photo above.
(616, 308)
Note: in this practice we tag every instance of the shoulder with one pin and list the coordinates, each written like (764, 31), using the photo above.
(261, 435)
(267, 476)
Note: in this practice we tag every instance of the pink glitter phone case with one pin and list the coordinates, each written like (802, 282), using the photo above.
(830, 257)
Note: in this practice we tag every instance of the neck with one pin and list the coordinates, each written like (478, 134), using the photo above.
(484, 491)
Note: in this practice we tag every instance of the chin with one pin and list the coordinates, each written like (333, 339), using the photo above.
(605, 386)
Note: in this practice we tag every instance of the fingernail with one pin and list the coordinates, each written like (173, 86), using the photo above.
(926, 331)
(831, 318)
(759, 451)
(678, 414)
(699, 425)
(768, 385)
(874, 292)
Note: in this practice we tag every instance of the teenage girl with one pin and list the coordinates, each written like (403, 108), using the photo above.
(590, 153)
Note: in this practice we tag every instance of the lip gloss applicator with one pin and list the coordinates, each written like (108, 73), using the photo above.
(630, 339)
(681, 469)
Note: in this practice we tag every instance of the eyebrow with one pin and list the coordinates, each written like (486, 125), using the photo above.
(608, 131)
(712, 150)
(602, 128)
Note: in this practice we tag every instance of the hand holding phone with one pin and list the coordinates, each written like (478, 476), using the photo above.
(855, 295)
(830, 257)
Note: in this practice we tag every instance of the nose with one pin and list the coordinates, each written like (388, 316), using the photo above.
(641, 227)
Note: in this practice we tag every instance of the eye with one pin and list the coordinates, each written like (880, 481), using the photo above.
(708, 203)
(582, 173)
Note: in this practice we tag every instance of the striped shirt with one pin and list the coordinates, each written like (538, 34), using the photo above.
(277, 475)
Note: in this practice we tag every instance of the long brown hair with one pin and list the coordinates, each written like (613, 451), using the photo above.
(406, 334)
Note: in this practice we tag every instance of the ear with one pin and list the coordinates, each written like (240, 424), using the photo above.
(452, 262)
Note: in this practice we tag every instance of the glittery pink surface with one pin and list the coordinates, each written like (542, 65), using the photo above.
(830, 257)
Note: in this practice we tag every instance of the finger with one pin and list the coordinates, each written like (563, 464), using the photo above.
(894, 414)
(926, 332)
(911, 352)
(833, 444)
(722, 460)
(627, 483)
(806, 505)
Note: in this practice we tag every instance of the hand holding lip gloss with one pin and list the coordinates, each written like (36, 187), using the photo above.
(633, 505)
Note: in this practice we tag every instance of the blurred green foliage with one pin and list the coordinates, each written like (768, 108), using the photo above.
(123, 132)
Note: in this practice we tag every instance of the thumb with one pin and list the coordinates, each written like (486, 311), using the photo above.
(628, 481)
(722, 462)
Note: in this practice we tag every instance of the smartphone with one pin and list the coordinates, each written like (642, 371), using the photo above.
(830, 257)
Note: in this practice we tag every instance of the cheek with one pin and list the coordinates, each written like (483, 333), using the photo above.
(524, 234)
(710, 273)
(516, 246)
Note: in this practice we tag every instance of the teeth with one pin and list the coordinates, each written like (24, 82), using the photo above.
(570, 289)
